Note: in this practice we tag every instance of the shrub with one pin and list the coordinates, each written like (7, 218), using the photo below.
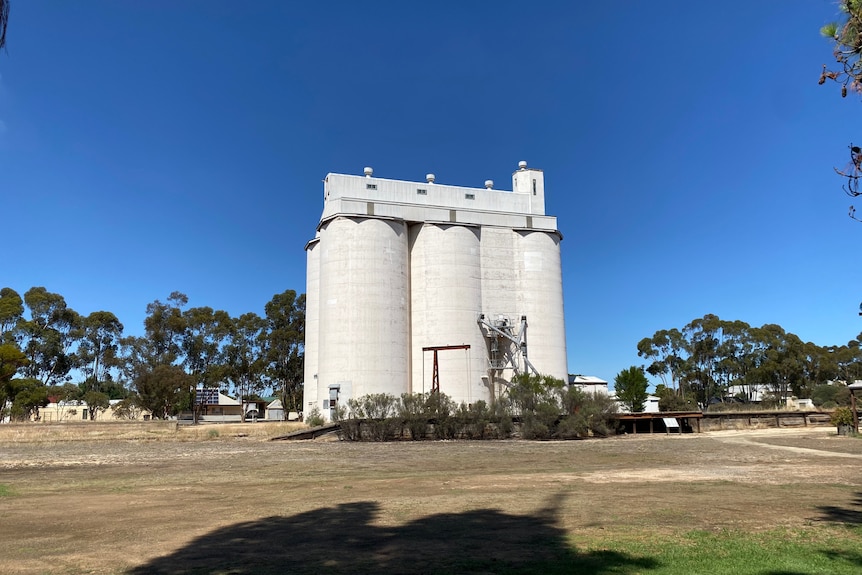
(541, 421)
(414, 415)
(350, 423)
(474, 419)
(528, 391)
(601, 410)
(841, 416)
(314, 418)
(670, 400)
(380, 410)
(572, 427)
(376, 412)
(586, 414)
(440, 409)
(501, 416)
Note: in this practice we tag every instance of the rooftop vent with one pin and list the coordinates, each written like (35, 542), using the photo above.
(489, 184)
(429, 178)
(368, 171)
(522, 165)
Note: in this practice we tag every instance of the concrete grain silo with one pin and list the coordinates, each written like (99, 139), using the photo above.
(417, 285)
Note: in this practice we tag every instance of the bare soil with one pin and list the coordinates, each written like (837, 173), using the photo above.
(181, 501)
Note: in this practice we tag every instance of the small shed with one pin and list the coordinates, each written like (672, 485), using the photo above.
(275, 411)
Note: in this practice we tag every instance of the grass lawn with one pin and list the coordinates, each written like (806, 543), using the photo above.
(183, 501)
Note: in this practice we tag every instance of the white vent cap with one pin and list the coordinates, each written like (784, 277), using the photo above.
(522, 165)
(368, 171)
(489, 184)
(430, 178)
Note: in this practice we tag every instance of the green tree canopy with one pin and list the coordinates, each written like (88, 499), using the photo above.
(631, 388)
(285, 351)
(163, 390)
(49, 336)
(101, 332)
(11, 312)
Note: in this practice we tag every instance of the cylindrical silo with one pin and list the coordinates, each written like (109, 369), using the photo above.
(500, 301)
(312, 325)
(364, 308)
(541, 294)
(446, 300)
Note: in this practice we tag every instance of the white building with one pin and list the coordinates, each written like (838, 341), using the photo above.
(399, 267)
(589, 384)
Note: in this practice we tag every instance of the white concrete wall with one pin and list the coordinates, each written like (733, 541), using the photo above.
(364, 307)
(540, 295)
(312, 327)
(397, 266)
(532, 183)
(446, 299)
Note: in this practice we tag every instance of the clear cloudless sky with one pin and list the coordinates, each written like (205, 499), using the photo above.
(147, 147)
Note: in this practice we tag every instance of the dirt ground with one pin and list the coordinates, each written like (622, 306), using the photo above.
(238, 503)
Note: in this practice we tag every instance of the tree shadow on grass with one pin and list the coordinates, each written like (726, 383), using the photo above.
(852, 557)
(851, 514)
(344, 539)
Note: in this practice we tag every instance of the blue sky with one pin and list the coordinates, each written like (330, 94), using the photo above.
(147, 147)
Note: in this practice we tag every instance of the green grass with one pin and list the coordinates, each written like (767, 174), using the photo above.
(827, 550)
(6, 491)
(820, 550)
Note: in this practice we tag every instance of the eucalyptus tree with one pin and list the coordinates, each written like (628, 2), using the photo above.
(704, 337)
(846, 358)
(206, 334)
(163, 389)
(667, 350)
(98, 353)
(144, 359)
(27, 396)
(11, 312)
(818, 367)
(12, 360)
(735, 350)
(781, 367)
(49, 336)
(285, 351)
(165, 326)
(245, 356)
(845, 361)
(101, 333)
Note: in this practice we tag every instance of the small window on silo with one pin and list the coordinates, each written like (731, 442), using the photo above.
(422, 191)
(470, 196)
(370, 186)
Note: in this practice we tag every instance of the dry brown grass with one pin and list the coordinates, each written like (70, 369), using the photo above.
(132, 430)
(186, 501)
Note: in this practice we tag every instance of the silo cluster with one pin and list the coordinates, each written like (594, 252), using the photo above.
(408, 280)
